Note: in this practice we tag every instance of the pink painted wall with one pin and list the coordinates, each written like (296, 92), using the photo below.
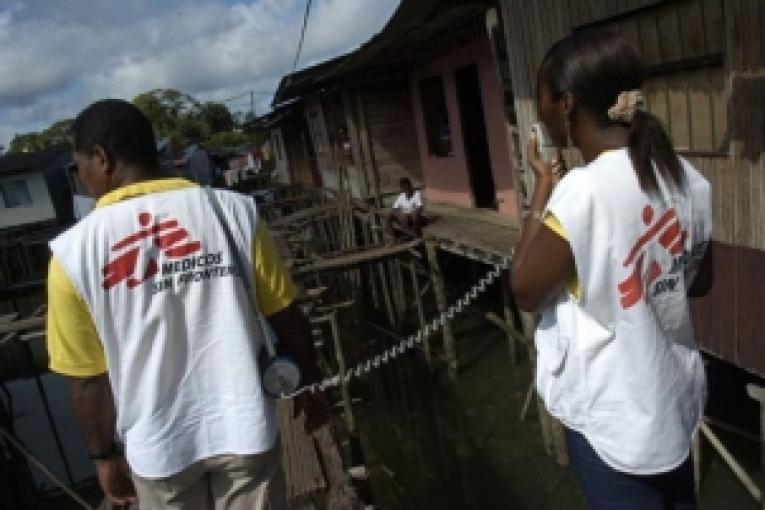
(447, 179)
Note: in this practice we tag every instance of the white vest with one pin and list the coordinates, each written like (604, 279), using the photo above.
(157, 274)
(621, 365)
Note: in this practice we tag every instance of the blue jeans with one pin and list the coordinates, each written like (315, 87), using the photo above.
(608, 489)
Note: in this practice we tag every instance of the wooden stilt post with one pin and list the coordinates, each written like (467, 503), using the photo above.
(757, 393)
(545, 420)
(384, 284)
(696, 454)
(372, 281)
(559, 442)
(420, 311)
(734, 466)
(344, 391)
(386, 293)
(512, 345)
(545, 425)
(398, 290)
(450, 349)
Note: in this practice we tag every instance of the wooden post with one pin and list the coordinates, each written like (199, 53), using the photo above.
(398, 290)
(512, 345)
(437, 277)
(367, 150)
(696, 454)
(545, 420)
(420, 311)
(372, 282)
(757, 393)
(347, 405)
(545, 424)
(384, 284)
(559, 442)
(731, 462)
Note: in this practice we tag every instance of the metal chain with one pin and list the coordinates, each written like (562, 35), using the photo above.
(365, 367)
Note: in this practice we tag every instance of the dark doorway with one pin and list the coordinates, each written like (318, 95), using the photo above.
(474, 136)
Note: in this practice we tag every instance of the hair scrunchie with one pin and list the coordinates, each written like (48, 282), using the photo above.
(627, 103)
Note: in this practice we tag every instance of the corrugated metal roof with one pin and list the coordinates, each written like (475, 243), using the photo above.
(295, 84)
(411, 32)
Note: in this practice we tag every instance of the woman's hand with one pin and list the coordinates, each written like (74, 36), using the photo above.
(545, 172)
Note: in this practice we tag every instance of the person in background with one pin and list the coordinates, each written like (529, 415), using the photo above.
(608, 257)
(149, 320)
(406, 210)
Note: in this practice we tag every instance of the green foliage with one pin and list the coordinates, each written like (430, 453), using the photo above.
(173, 114)
(228, 139)
(185, 120)
(56, 133)
(216, 117)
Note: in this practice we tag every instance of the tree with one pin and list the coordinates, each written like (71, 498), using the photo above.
(217, 117)
(57, 133)
(227, 139)
(173, 114)
(163, 108)
(183, 119)
(191, 129)
(25, 142)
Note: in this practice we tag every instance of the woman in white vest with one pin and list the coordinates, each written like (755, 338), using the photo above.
(609, 255)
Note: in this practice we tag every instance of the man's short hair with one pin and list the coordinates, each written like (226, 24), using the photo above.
(404, 181)
(121, 129)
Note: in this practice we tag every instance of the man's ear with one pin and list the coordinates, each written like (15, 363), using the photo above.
(102, 161)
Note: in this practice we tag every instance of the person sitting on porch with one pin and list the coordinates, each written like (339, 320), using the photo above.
(406, 211)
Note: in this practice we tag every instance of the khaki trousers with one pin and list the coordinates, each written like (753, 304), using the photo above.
(230, 482)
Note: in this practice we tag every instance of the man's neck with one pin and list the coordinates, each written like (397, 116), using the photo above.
(127, 175)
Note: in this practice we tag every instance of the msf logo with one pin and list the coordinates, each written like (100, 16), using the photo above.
(168, 236)
(668, 232)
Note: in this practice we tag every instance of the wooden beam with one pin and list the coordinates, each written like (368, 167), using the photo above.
(22, 325)
(355, 258)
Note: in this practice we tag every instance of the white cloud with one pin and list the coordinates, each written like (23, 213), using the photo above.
(56, 57)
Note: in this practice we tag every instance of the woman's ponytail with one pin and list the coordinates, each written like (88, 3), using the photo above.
(603, 73)
(649, 145)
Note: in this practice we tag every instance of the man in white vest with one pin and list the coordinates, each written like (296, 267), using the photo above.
(149, 318)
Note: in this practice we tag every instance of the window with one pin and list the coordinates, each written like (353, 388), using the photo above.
(437, 130)
(15, 194)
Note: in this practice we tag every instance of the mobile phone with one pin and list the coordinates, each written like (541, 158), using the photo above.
(547, 150)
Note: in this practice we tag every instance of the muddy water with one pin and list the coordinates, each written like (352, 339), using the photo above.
(432, 444)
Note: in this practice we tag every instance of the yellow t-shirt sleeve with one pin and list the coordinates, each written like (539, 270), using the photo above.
(553, 224)
(274, 288)
(74, 347)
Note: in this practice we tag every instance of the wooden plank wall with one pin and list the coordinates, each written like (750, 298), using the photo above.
(319, 139)
(708, 87)
(301, 167)
(391, 129)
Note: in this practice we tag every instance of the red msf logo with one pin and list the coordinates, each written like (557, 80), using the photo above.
(168, 236)
(670, 236)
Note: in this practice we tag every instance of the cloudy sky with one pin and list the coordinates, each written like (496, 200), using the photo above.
(57, 56)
